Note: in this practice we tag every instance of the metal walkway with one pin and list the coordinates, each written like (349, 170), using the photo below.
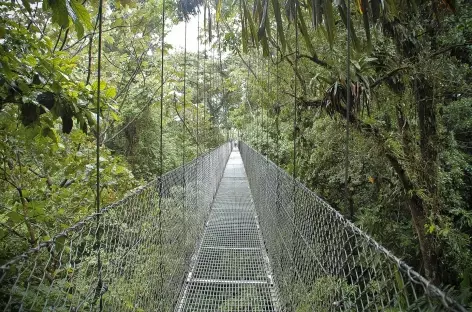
(230, 270)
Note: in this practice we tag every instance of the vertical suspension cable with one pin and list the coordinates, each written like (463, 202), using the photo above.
(198, 102)
(277, 112)
(185, 97)
(295, 116)
(295, 109)
(204, 83)
(264, 97)
(258, 143)
(99, 78)
(260, 109)
(267, 111)
(161, 107)
(222, 86)
(161, 159)
(183, 132)
(198, 80)
(277, 134)
(247, 91)
(348, 109)
(212, 85)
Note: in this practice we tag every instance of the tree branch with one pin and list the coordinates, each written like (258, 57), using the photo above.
(245, 63)
(58, 38)
(137, 115)
(65, 39)
(469, 43)
(185, 124)
(388, 75)
(12, 230)
(315, 59)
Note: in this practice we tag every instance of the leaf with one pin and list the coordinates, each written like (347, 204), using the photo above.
(262, 23)
(15, 216)
(27, 5)
(79, 29)
(38, 210)
(365, 17)
(267, 21)
(111, 92)
(60, 14)
(82, 18)
(304, 31)
(280, 28)
(390, 6)
(265, 46)
(252, 26)
(6, 70)
(30, 60)
(329, 21)
(261, 34)
(59, 243)
(342, 11)
(243, 28)
(114, 116)
(311, 12)
(90, 119)
(51, 133)
(401, 286)
(103, 85)
(370, 59)
(218, 10)
(126, 2)
(356, 64)
(359, 6)
(430, 229)
(209, 26)
(315, 12)
(23, 86)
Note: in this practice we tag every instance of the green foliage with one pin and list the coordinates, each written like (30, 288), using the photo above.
(327, 293)
(48, 181)
(48, 93)
(396, 155)
(38, 80)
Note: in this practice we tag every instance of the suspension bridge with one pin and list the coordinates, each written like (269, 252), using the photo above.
(229, 231)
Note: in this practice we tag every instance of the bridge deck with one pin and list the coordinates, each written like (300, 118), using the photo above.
(230, 271)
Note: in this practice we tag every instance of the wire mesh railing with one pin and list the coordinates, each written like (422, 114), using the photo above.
(323, 262)
(145, 250)
(231, 270)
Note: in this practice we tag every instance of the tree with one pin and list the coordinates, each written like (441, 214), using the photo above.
(404, 73)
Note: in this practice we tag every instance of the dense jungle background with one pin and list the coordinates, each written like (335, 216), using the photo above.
(410, 143)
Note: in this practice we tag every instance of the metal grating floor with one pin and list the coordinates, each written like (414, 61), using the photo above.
(230, 270)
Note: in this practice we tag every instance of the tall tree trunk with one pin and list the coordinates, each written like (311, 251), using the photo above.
(418, 207)
(419, 217)
(426, 109)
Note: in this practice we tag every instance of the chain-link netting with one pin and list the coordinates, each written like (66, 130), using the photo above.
(321, 261)
(144, 249)
(230, 271)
